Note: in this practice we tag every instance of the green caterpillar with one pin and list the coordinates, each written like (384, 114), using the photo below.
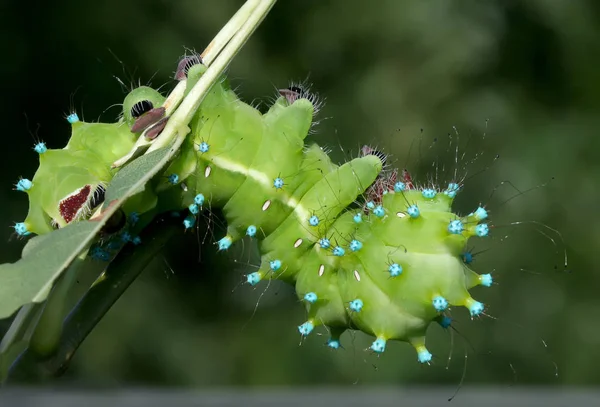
(387, 265)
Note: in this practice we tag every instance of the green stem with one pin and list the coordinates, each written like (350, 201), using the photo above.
(176, 127)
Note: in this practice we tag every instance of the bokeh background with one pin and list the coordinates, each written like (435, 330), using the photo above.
(518, 79)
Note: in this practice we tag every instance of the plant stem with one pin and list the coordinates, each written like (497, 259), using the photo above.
(177, 124)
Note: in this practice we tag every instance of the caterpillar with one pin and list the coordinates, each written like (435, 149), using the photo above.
(366, 246)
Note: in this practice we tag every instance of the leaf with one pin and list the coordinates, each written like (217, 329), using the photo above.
(30, 279)
(130, 181)
(33, 243)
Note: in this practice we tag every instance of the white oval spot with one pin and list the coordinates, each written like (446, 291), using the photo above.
(298, 243)
(321, 270)
(266, 205)
(400, 214)
(356, 275)
(207, 171)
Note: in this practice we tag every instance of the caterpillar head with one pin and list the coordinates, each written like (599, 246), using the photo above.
(70, 182)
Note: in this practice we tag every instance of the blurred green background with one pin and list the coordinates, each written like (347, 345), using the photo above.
(387, 69)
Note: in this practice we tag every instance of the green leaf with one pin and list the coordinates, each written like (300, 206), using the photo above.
(130, 180)
(30, 279)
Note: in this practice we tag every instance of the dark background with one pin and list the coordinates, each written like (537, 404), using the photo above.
(388, 69)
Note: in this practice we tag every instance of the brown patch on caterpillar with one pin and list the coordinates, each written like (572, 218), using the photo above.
(186, 63)
(302, 91)
(157, 128)
(147, 119)
(385, 180)
(71, 206)
(291, 94)
(407, 179)
(384, 183)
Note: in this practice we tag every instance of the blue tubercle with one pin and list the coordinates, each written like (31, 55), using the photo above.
(251, 231)
(125, 237)
(378, 345)
(225, 243)
(275, 264)
(379, 211)
(310, 297)
(114, 245)
(355, 245)
(324, 243)
(424, 356)
(253, 278)
(456, 227)
(21, 229)
(189, 221)
(486, 280)
(482, 230)
(40, 148)
(371, 205)
(356, 305)
(357, 218)
(452, 189)
(399, 187)
(98, 253)
(333, 343)
(480, 213)
(136, 241)
(203, 147)
(72, 118)
(278, 183)
(338, 251)
(199, 199)
(467, 257)
(429, 193)
(173, 178)
(476, 308)
(313, 220)
(413, 211)
(440, 303)
(134, 218)
(445, 322)
(193, 208)
(24, 185)
(453, 186)
(395, 270)
(306, 328)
